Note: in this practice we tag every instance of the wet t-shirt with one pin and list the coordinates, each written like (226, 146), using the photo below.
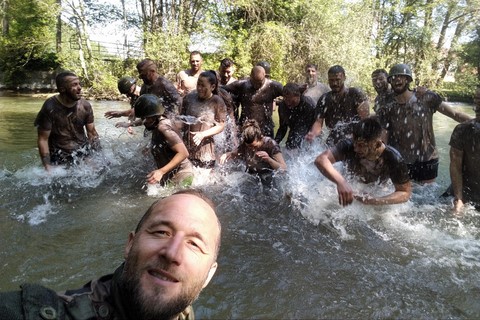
(166, 91)
(254, 163)
(389, 165)
(466, 137)
(298, 120)
(186, 82)
(163, 139)
(257, 104)
(66, 125)
(410, 126)
(207, 112)
(339, 114)
(316, 91)
(381, 100)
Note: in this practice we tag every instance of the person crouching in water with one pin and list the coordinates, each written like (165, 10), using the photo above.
(167, 147)
(262, 155)
(367, 157)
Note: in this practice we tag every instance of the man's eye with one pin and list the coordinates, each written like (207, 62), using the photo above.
(162, 233)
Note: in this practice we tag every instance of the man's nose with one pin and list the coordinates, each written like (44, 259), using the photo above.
(174, 249)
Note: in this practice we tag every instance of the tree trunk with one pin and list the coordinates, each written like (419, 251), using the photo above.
(59, 28)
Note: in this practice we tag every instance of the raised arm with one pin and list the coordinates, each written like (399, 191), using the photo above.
(452, 113)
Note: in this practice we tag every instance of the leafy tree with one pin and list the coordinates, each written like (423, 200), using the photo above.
(27, 38)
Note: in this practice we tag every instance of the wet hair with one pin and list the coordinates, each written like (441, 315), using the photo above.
(226, 63)
(251, 131)
(380, 71)
(367, 129)
(212, 78)
(194, 53)
(147, 63)
(292, 88)
(60, 78)
(194, 192)
(311, 65)
(336, 69)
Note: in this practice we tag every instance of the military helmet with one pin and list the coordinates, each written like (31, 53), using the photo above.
(265, 65)
(148, 105)
(125, 84)
(400, 69)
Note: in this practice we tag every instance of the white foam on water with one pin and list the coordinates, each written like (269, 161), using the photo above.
(39, 213)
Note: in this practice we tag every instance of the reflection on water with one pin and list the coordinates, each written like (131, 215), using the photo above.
(290, 252)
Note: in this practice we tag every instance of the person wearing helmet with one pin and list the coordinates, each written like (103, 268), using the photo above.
(408, 121)
(339, 108)
(127, 86)
(167, 147)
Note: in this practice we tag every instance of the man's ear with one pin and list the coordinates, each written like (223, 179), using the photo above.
(211, 272)
(378, 144)
(131, 236)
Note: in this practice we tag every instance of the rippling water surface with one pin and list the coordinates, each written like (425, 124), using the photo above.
(291, 252)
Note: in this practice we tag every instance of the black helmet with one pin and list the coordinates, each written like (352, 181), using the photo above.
(125, 84)
(148, 105)
(265, 65)
(400, 69)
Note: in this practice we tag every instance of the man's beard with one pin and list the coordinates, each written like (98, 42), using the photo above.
(400, 90)
(153, 306)
(311, 81)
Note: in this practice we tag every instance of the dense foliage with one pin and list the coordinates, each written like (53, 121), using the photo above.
(440, 39)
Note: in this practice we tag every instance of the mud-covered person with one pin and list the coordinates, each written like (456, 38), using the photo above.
(127, 86)
(464, 160)
(408, 119)
(256, 95)
(208, 108)
(166, 145)
(262, 155)
(296, 115)
(339, 108)
(368, 158)
(160, 86)
(65, 125)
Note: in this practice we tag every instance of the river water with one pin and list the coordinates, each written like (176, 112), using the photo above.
(288, 253)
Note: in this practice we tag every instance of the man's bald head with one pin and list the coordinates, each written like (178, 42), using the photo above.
(257, 77)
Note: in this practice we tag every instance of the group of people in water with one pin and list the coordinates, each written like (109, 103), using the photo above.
(188, 118)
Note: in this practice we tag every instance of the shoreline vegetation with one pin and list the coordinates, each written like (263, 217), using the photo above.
(447, 95)
(47, 94)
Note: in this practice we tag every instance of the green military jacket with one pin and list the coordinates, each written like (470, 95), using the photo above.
(98, 299)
